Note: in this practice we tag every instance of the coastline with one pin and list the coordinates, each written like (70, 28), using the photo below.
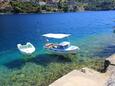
(89, 77)
(55, 12)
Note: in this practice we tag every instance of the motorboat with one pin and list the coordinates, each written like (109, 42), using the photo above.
(26, 49)
(60, 48)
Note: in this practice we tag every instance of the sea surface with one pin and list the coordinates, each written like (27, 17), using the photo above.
(91, 31)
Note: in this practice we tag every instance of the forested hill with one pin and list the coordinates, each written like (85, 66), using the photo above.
(44, 6)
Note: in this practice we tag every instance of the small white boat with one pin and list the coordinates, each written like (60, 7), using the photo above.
(62, 48)
(26, 49)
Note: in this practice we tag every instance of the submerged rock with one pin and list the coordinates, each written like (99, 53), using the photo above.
(22, 75)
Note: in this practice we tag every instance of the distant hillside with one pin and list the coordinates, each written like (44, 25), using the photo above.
(44, 6)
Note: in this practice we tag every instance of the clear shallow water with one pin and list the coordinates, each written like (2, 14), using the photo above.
(91, 31)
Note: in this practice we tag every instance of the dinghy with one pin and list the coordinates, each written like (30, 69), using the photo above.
(26, 49)
(61, 48)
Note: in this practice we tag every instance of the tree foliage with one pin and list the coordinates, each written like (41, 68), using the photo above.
(62, 5)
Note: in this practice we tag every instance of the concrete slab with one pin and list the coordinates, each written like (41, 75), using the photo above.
(78, 78)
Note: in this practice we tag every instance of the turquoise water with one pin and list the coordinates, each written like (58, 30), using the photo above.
(91, 31)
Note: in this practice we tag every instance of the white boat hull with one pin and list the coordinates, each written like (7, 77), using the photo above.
(63, 51)
(27, 49)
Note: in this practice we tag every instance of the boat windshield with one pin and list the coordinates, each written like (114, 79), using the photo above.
(63, 45)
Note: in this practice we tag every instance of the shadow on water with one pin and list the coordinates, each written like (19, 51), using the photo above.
(106, 52)
(42, 59)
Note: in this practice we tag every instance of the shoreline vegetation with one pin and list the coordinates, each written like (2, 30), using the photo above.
(52, 6)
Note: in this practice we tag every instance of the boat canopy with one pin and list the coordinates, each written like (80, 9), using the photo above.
(56, 36)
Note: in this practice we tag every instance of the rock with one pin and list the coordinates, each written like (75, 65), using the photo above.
(111, 71)
(108, 61)
(88, 77)
(22, 75)
(83, 70)
(105, 66)
(111, 59)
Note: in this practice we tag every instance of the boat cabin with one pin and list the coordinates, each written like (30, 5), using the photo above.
(63, 45)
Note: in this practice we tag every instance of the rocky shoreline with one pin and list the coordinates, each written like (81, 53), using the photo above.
(44, 6)
(90, 77)
(111, 70)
